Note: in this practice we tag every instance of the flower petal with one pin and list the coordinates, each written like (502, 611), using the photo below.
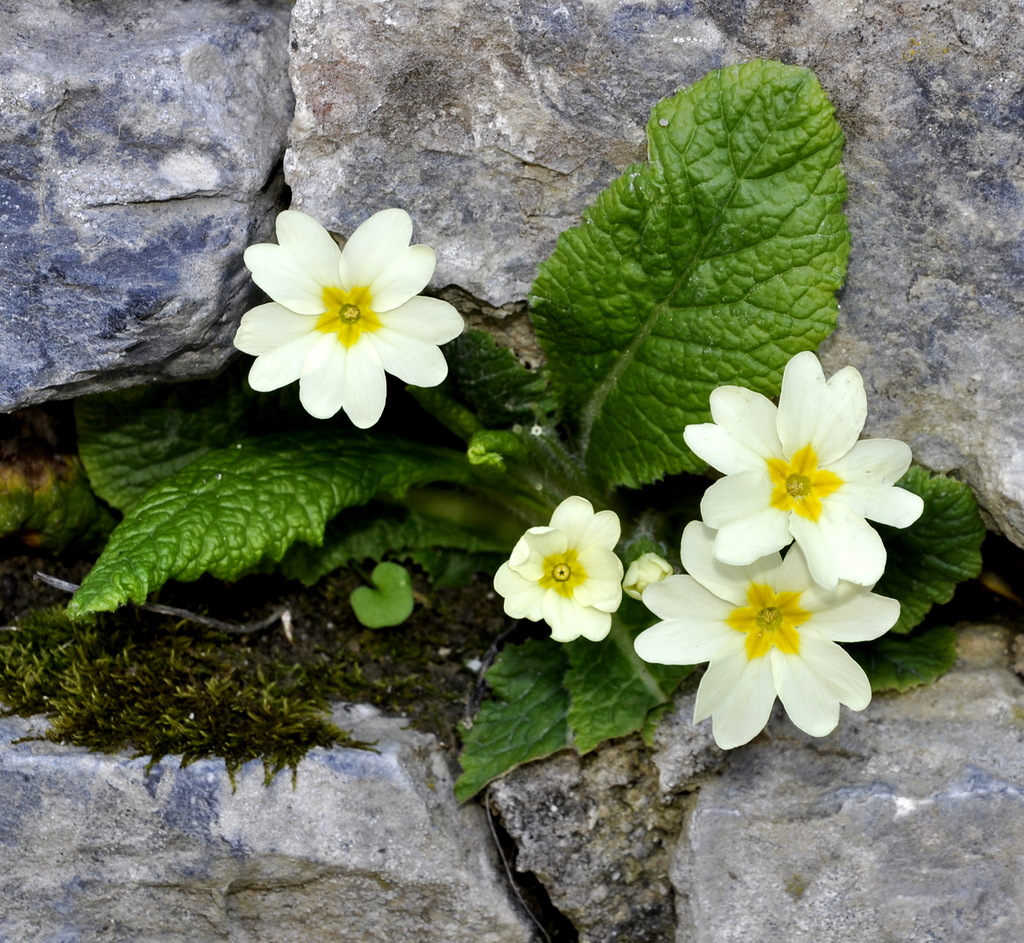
(896, 507)
(583, 527)
(726, 582)
(524, 599)
(569, 620)
(281, 366)
(405, 276)
(814, 683)
(737, 694)
(826, 415)
(267, 327)
(541, 543)
(749, 418)
(839, 545)
(720, 450)
(349, 378)
(309, 245)
(278, 274)
(409, 359)
(743, 542)
(874, 462)
(737, 497)
(373, 247)
(860, 617)
(680, 643)
(427, 319)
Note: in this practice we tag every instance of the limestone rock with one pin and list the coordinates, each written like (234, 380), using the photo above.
(598, 833)
(137, 161)
(904, 825)
(496, 123)
(366, 846)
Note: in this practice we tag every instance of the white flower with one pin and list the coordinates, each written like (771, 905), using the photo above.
(645, 569)
(340, 319)
(767, 629)
(797, 472)
(566, 574)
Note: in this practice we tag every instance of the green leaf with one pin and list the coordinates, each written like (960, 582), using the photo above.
(900, 662)
(498, 387)
(927, 560)
(525, 720)
(46, 501)
(234, 508)
(613, 689)
(131, 439)
(389, 601)
(373, 532)
(713, 263)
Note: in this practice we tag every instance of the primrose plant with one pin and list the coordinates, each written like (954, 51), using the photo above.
(693, 294)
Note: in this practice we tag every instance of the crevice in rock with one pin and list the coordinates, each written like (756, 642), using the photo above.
(526, 888)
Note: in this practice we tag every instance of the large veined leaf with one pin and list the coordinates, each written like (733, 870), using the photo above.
(372, 532)
(525, 719)
(234, 508)
(713, 263)
(129, 440)
(613, 690)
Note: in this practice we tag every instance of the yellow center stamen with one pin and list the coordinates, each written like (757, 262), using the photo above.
(563, 573)
(770, 620)
(799, 485)
(349, 314)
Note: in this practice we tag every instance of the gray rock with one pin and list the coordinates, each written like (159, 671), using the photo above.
(137, 160)
(904, 826)
(496, 123)
(366, 846)
(598, 833)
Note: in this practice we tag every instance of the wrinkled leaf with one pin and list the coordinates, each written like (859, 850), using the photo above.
(524, 720)
(498, 387)
(927, 560)
(613, 689)
(713, 263)
(234, 508)
(373, 532)
(901, 662)
(131, 439)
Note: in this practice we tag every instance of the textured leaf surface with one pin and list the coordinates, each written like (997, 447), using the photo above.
(372, 532)
(490, 378)
(234, 508)
(612, 689)
(927, 560)
(131, 439)
(901, 662)
(525, 719)
(713, 263)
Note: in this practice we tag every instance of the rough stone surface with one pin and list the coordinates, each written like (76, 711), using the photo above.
(904, 826)
(598, 832)
(137, 160)
(496, 123)
(368, 846)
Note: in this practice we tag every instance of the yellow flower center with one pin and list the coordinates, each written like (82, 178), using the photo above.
(349, 314)
(770, 620)
(799, 485)
(563, 573)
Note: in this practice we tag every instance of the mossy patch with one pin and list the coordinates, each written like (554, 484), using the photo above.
(151, 686)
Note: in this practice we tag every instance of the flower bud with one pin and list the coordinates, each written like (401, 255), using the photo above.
(646, 569)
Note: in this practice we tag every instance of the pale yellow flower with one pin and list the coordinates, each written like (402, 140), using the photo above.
(798, 472)
(767, 630)
(341, 319)
(567, 573)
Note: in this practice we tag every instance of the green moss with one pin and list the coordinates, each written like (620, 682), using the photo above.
(140, 683)
(113, 685)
